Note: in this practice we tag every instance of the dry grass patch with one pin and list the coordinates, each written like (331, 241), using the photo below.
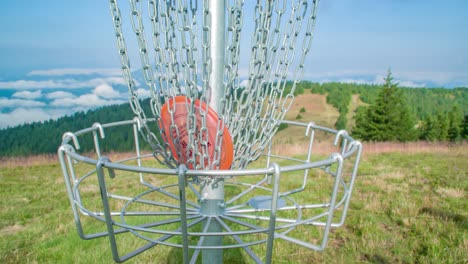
(314, 105)
(11, 230)
(27, 161)
(355, 103)
(395, 175)
(283, 143)
(416, 147)
(451, 192)
(316, 110)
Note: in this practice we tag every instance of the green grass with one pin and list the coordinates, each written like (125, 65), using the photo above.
(406, 208)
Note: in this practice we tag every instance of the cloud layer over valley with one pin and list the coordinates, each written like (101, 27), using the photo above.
(50, 94)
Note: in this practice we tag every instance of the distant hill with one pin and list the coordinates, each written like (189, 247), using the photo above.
(328, 104)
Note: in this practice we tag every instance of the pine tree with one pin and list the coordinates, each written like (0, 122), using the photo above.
(429, 129)
(442, 126)
(388, 118)
(455, 119)
(465, 128)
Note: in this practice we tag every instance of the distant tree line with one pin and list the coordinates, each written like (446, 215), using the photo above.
(46, 136)
(422, 103)
(395, 113)
(398, 115)
(445, 126)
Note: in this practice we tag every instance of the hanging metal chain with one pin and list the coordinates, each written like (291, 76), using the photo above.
(182, 66)
(159, 152)
(262, 105)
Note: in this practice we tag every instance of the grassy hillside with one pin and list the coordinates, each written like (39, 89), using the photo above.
(407, 207)
(311, 107)
(315, 108)
(307, 107)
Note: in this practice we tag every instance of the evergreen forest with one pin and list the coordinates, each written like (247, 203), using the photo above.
(386, 113)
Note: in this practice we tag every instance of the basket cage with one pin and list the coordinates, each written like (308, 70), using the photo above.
(134, 198)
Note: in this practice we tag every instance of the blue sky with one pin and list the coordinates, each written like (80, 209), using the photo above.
(57, 57)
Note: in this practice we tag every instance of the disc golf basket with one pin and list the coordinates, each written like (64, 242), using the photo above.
(215, 178)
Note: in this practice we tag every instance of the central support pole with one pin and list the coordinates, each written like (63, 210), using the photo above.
(212, 204)
(217, 10)
(212, 192)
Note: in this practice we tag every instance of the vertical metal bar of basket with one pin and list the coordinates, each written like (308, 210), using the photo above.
(212, 192)
(106, 207)
(71, 197)
(358, 145)
(136, 140)
(274, 206)
(183, 213)
(339, 173)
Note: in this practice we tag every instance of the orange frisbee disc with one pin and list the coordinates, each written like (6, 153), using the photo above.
(180, 114)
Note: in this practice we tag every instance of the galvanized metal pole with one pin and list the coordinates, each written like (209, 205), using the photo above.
(217, 52)
(212, 202)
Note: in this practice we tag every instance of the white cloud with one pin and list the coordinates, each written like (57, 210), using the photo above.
(376, 76)
(244, 83)
(410, 84)
(438, 77)
(62, 103)
(407, 78)
(340, 74)
(25, 84)
(371, 77)
(28, 115)
(76, 71)
(379, 79)
(143, 93)
(7, 103)
(106, 91)
(21, 115)
(28, 94)
(86, 100)
(64, 83)
(351, 80)
(59, 94)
